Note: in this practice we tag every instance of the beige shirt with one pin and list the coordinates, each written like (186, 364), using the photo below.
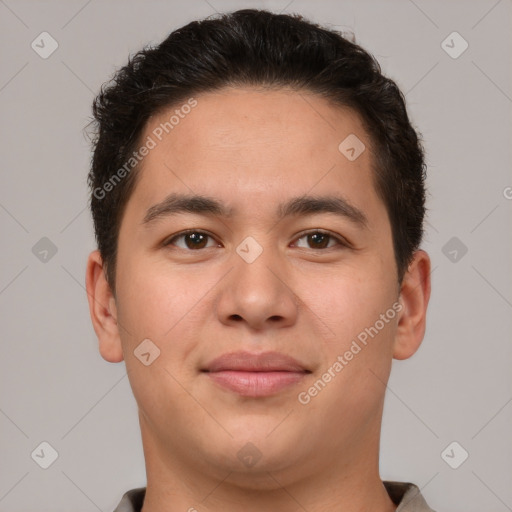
(406, 495)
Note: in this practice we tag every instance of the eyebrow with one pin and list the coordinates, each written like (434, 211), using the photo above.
(298, 206)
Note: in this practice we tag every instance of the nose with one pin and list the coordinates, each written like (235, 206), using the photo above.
(257, 294)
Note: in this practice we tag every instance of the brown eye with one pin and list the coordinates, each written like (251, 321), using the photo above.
(319, 240)
(191, 240)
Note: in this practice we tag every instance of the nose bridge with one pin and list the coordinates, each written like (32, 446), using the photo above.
(256, 291)
(256, 266)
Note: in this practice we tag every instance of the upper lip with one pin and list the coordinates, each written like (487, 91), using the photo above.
(262, 362)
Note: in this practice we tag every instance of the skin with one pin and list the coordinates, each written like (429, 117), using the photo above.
(252, 149)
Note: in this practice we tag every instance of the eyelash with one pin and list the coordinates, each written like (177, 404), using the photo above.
(340, 242)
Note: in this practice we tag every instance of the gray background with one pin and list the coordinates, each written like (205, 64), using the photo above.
(55, 387)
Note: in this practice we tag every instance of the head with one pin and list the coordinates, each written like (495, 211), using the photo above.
(265, 50)
(290, 161)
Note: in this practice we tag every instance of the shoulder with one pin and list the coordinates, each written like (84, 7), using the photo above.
(407, 496)
(132, 500)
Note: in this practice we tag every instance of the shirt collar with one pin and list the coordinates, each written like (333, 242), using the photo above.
(404, 494)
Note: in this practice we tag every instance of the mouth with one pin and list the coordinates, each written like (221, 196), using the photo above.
(255, 375)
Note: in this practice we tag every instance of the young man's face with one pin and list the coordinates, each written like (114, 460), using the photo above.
(257, 282)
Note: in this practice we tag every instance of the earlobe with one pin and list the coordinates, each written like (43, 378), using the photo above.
(414, 297)
(102, 308)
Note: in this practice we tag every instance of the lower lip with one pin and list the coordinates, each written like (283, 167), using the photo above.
(256, 384)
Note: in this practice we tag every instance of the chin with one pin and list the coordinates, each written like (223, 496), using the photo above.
(252, 457)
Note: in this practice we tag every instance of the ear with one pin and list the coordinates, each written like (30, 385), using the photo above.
(102, 307)
(414, 297)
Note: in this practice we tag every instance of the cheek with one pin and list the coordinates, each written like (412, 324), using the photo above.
(348, 301)
(162, 308)
(357, 350)
(166, 303)
(151, 299)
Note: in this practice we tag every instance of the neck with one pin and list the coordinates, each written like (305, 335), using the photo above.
(345, 481)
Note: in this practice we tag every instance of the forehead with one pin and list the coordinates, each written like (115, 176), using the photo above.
(256, 144)
(248, 118)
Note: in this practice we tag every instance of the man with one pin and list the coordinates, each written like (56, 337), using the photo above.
(258, 200)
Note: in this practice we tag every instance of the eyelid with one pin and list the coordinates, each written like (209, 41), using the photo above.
(340, 239)
(170, 239)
